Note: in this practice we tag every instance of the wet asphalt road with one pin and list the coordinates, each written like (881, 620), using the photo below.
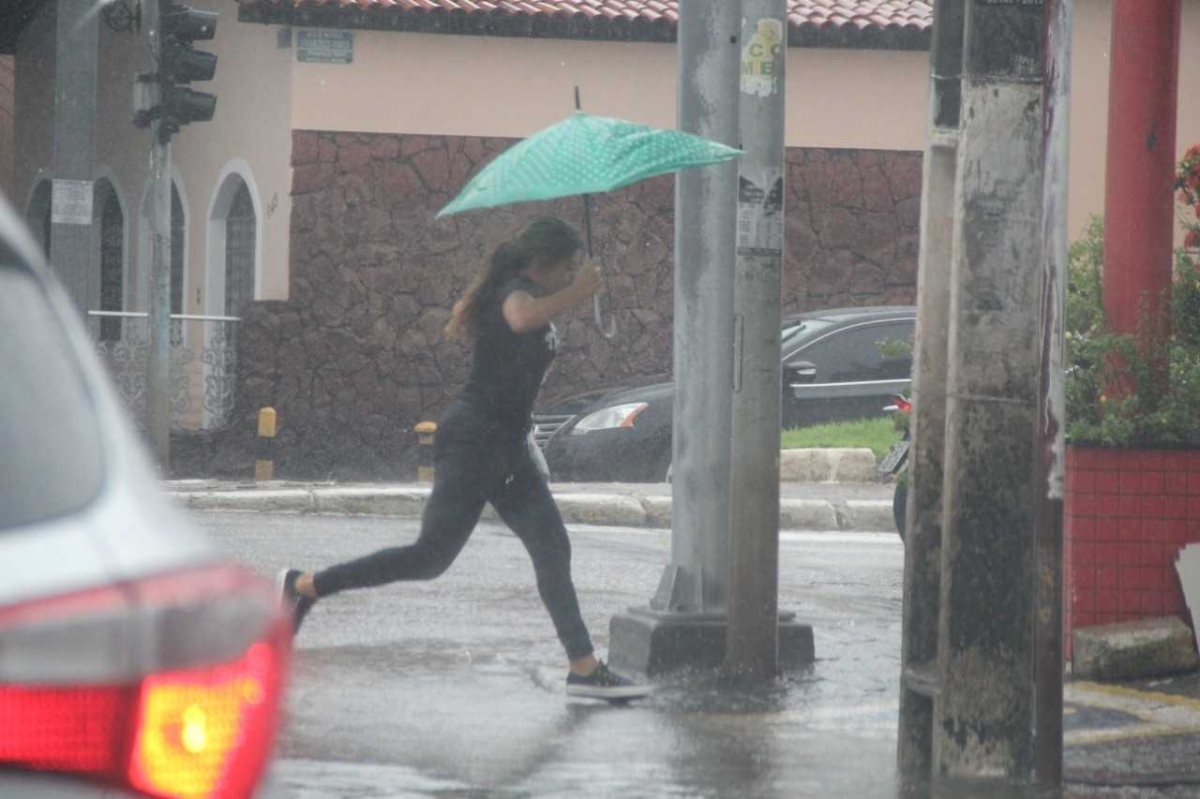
(455, 687)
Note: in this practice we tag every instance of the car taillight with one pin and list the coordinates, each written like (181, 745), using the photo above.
(204, 731)
(208, 732)
(902, 405)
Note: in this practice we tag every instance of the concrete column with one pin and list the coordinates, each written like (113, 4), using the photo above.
(75, 52)
(984, 708)
(1140, 175)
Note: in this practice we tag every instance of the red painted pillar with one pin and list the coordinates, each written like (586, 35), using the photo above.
(1139, 193)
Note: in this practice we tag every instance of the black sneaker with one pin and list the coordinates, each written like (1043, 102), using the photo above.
(296, 603)
(603, 683)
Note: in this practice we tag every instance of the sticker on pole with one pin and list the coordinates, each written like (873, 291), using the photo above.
(760, 214)
(759, 70)
(71, 202)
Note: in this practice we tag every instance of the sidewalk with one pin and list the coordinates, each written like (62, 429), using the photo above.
(814, 507)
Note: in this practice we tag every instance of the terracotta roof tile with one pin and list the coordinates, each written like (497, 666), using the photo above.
(860, 13)
(884, 23)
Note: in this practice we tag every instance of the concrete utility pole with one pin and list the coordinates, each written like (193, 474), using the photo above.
(752, 644)
(984, 716)
(923, 539)
(1140, 176)
(1050, 443)
(982, 659)
(709, 58)
(159, 366)
(684, 625)
(76, 45)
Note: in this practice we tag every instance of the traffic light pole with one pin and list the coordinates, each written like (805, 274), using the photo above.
(159, 367)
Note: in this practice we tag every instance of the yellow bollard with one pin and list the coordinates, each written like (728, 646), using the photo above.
(425, 434)
(264, 466)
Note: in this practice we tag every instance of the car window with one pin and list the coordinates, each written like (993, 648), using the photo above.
(794, 335)
(50, 458)
(858, 353)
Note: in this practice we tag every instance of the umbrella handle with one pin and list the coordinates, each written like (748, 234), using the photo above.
(611, 329)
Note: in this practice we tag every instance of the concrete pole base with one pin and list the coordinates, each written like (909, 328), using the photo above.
(652, 643)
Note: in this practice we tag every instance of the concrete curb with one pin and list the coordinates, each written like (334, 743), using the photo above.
(615, 510)
(827, 465)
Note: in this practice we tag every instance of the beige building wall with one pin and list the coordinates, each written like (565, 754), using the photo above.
(250, 136)
(475, 86)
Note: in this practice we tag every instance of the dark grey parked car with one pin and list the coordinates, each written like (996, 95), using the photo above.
(838, 365)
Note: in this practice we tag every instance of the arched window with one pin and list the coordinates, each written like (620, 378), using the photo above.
(241, 231)
(112, 260)
(38, 215)
(178, 230)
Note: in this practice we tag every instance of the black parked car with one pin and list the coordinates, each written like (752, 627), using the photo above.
(838, 365)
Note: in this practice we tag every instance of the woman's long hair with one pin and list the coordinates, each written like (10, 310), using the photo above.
(544, 241)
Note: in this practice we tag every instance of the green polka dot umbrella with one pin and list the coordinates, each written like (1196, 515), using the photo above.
(584, 155)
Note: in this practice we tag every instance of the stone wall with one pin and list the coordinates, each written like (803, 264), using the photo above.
(356, 356)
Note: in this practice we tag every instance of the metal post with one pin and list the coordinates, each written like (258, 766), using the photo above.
(984, 710)
(1139, 201)
(923, 539)
(1049, 445)
(159, 362)
(752, 641)
(685, 623)
(705, 211)
(76, 47)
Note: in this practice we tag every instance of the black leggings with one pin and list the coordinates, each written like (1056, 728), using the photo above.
(477, 460)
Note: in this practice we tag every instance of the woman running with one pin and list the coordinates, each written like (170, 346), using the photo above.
(481, 453)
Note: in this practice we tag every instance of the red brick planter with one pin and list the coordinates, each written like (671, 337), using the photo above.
(1128, 512)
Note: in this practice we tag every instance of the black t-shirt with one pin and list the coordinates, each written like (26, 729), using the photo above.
(507, 368)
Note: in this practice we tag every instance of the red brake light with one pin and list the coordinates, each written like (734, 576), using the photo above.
(189, 732)
(902, 405)
(76, 730)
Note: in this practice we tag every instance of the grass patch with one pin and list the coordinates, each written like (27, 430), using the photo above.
(877, 435)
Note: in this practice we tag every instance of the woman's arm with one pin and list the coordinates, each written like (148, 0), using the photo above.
(524, 312)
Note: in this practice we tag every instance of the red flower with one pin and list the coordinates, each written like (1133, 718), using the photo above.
(1192, 239)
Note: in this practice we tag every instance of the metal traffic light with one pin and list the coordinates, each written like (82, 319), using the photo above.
(160, 96)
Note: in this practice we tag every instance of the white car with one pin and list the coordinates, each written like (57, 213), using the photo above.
(134, 659)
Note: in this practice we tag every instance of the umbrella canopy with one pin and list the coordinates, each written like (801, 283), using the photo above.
(584, 155)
